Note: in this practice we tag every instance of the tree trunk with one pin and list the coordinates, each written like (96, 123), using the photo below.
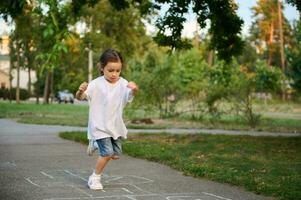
(37, 89)
(281, 44)
(29, 81)
(210, 58)
(10, 79)
(51, 87)
(46, 89)
(18, 74)
(281, 36)
(90, 63)
(270, 42)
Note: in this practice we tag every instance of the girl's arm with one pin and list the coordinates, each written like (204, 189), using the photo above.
(133, 87)
(80, 94)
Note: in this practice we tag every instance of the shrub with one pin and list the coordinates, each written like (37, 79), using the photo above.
(5, 94)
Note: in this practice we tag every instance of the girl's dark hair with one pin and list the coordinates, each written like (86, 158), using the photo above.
(109, 55)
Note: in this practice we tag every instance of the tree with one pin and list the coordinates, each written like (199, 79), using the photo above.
(294, 57)
(16, 9)
(248, 56)
(266, 31)
(112, 31)
(153, 77)
(53, 31)
(11, 8)
(190, 78)
(225, 25)
(107, 31)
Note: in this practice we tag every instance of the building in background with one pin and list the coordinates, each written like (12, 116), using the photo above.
(5, 67)
(4, 62)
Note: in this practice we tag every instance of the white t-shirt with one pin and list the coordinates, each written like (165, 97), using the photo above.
(106, 101)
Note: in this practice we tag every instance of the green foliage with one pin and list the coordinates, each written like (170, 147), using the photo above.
(11, 8)
(224, 29)
(244, 101)
(111, 32)
(54, 31)
(225, 24)
(248, 56)
(165, 79)
(71, 71)
(75, 136)
(267, 78)
(154, 77)
(78, 4)
(190, 72)
(222, 82)
(294, 57)
(264, 31)
(4, 93)
(11, 94)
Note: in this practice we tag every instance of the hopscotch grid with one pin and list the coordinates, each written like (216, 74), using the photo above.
(82, 191)
(120, 177)
(128, 191)
(113, 179)
(138, 188)
(48, 175)
(130, 196)
(75, 175)
(172, 197)
(213, 195)
(31, 182)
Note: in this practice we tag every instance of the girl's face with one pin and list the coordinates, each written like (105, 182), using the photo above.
(112, 71)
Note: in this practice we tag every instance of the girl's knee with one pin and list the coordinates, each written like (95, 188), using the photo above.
(107, 158)
(114, 157)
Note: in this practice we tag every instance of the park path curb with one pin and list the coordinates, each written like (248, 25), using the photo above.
(177, 130)
(215, 132)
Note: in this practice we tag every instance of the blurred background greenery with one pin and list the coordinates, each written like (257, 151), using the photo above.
(217, 76)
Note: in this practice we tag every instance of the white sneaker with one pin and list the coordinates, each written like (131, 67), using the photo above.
(94, 182)
(91, 147)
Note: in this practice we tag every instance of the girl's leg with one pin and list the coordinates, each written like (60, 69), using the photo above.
(107, 146)
(94, 180)
(101, 163)
(115, 157)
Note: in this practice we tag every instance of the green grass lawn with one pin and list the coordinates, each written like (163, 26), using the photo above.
(285, 118)
(269, 166)
(60, 114)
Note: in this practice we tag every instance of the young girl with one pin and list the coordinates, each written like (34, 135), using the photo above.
(107, 96)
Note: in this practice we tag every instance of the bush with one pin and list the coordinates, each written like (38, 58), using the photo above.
(5, 94)
(267, 79)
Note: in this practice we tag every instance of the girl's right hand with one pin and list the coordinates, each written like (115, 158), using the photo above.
(83, 87)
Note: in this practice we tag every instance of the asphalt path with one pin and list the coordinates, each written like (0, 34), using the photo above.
(36, 164)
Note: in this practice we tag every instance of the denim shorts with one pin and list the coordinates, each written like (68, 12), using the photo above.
(109, 147)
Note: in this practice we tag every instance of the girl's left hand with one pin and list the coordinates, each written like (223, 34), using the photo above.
(133, 86)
